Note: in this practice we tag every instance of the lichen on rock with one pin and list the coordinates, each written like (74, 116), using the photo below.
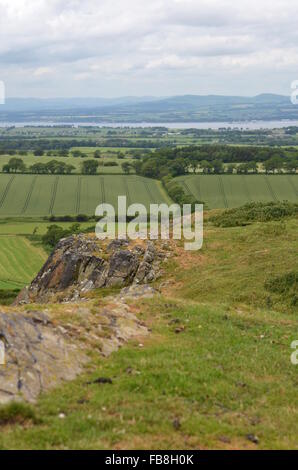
(81, 263)
(46, 346)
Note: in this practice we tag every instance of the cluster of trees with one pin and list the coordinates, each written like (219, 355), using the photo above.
(215, 159)
(89, 167)
(56, 232)
(44, 145)
(127, 167)
(17, 165)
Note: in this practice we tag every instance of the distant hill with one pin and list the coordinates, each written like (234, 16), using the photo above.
(32, 104)
(186, 108)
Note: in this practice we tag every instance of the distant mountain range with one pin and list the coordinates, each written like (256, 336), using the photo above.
(187, 108)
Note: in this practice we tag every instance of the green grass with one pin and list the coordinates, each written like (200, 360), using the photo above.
(20, 261)
(235, 264)
(227, 376)
(16, 226)
(227, 191)
(43, 195)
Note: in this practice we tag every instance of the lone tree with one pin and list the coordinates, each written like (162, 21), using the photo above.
(127, 167)
(89, 167)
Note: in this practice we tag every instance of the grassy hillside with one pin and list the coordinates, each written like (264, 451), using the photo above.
(223, 191)
(20, 261)
(215, 371)
(43, 195)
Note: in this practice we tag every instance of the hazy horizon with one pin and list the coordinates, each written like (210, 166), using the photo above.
(161, 97)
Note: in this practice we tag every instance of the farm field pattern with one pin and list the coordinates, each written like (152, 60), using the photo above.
(44, 195)
(228, 191)
(19, 261)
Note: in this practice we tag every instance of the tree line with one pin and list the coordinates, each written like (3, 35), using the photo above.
(88, 167)
(17, 165)
(212, 159)
(29, 144)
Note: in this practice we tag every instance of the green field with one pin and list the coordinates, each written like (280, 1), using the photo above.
(44, 195)
(225, 191)
(20, 261)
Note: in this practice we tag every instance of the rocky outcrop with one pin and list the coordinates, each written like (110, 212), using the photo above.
(82, 263)
(46, 346)
(37, 356)
(41, 351)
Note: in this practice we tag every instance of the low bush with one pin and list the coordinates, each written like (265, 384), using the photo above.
(7, 296)
(177, 193)
(56, 233)
(16, 413)
(255, 212)
(285, 285)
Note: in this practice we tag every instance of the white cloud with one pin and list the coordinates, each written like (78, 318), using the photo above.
(42, 71)
(115, 46)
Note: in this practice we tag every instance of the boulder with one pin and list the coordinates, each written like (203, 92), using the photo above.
(81, 263)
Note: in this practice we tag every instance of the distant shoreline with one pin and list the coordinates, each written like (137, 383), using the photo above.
(245, 125)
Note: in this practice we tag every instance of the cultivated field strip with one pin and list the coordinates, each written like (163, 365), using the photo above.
(78, 204)
(292, 183)
(44, 195)
(29, 195)
(222, 191)
(54, 192)
(19, 261)
(6, 188)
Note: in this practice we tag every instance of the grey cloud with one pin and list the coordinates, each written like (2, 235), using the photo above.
(102, 41)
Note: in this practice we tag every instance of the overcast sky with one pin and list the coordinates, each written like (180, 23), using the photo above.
(111, 48)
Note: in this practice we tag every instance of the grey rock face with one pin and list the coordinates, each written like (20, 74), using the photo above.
(40, 353)
(37, 356)
(122, 268)
(81, 263)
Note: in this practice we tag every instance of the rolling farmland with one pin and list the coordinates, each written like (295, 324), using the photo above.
(227, 191)
(19, 261)
(45, 195)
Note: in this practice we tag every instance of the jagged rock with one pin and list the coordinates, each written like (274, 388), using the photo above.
(40, 354)
(37, 356)
(122, 269)
(81, 263)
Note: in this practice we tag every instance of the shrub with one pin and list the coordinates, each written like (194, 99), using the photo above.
(56, 233)
(7, 296)
(255, 212)
(285, 285)
(16, 413)
(176, 192)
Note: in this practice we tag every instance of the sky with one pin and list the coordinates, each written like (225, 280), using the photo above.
(111, 48)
